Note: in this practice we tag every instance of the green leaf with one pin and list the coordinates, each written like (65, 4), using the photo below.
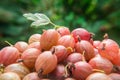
(37, 18)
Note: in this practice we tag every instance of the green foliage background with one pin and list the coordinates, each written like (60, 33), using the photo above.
(97, 16)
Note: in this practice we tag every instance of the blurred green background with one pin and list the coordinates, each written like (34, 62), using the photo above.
(97, 16)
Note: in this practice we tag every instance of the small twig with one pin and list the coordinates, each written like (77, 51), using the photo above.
(40, 72)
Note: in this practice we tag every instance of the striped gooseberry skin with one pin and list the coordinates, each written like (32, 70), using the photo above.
(60, 52)
(29, 57)
(96, 43)
(9, 55)
(81, 70)
(109, 49)
(98, 76)
(67, 41)
(34, 38)
(35, 45)
(9, 76)
(85, 47)
(82, 33)
(17, 68)
(114, 76)
(32, 76)
(45, 63)
(21, 46)
(116, 61)
(74, 57)
(59, 72)
(63, 31)
(101, 63)
(70, 79)
(49, 38)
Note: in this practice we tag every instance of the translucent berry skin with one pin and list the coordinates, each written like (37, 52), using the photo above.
(109, 49)
(82, 33)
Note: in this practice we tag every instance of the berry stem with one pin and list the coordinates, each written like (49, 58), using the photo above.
(69, 49)
(53, 23)
(106, 36)
(103, 48)
(8, 43)
(97, 70)
(55, 26)
(40, 73)
(78, 37)
(91, 35)
(53, 50)
(20, 60)
(83, 56)
(116, 68)
(68, 69)
(2, 68)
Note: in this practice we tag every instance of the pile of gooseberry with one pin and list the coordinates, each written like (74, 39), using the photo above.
(61, 54)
